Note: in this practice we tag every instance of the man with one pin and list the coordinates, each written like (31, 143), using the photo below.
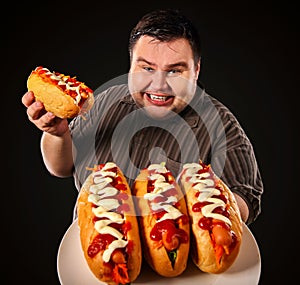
(157, 114)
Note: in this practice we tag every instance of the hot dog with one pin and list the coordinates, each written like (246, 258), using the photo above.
(108, 226)
(64, 96)
(216, 225)
(164, 225)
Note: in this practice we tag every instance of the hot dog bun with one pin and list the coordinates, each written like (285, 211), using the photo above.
(216, 223)
(109, 232)
(62, 95)
(163, 219)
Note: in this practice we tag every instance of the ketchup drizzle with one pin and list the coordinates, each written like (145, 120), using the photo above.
(84, 90)
(169, 226)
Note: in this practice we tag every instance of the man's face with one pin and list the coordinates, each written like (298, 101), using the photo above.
(163, 76)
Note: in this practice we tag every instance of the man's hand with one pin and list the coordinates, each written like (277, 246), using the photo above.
(45, 121)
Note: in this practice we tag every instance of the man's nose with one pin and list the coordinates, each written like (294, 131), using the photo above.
(159, 80)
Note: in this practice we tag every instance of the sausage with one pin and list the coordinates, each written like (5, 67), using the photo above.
(118, 257)
(109, 231)
(216, 219)
(221, 235)
(163, 220)
(170, 245)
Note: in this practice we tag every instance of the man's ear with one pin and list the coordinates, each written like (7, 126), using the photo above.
(197, 69)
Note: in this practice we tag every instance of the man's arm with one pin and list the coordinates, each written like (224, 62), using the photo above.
(57, 154)
(56, 141)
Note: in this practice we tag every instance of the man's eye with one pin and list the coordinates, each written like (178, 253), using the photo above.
(148, 68)
(173, 71)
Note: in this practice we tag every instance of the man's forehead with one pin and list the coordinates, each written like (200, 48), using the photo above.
(174, 53)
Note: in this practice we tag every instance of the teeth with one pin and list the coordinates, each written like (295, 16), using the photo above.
(158, 98)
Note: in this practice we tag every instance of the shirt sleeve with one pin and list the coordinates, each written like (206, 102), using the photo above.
(237, 166)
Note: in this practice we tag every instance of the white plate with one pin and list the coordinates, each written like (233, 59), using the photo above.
(73, 269)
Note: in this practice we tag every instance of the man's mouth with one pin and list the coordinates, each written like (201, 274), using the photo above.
(159, 99)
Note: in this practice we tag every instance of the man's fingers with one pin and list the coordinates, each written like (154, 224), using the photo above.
(35, 110)
(28, 99)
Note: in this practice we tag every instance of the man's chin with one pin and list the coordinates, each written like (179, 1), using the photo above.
(159, 113)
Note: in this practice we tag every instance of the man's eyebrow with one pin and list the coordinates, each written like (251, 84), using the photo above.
(177, 64)
(168, 66)
(139, 59)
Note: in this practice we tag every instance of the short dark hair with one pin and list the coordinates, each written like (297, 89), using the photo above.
(167, 25)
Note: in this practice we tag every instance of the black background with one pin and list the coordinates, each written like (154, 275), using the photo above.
(250, 63)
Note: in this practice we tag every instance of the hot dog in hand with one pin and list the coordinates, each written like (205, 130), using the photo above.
(64, 96)
(216, 223)
(163, 220)
(108, 226)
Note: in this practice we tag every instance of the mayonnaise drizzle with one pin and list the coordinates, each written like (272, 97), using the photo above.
(101, 195)
(206, 187)
(161, 186)
(62, 80)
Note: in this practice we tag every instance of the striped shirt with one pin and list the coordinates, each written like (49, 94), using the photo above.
(117, 130)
